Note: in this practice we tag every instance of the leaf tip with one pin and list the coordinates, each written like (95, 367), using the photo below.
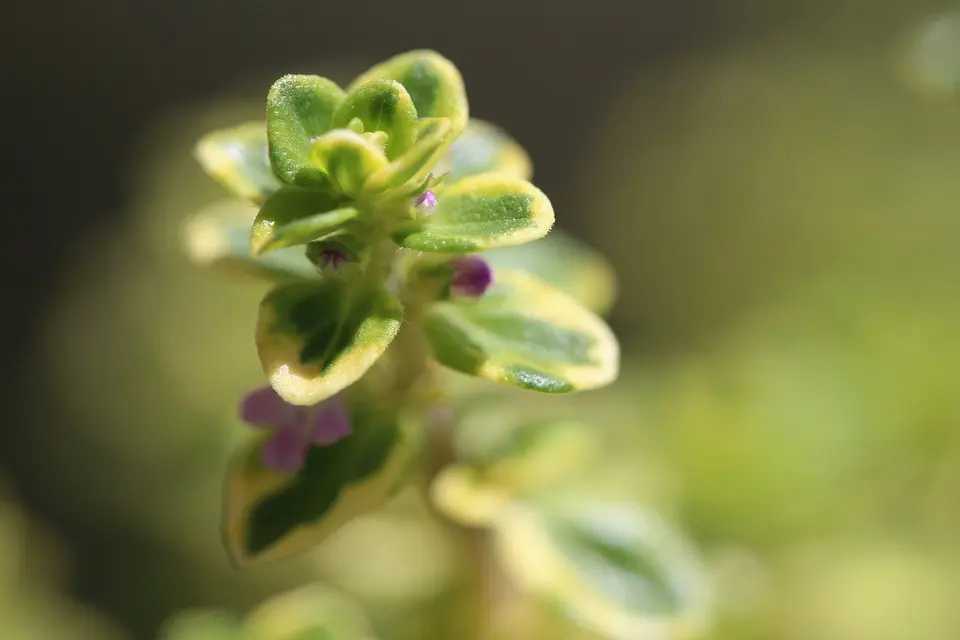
(261, 235)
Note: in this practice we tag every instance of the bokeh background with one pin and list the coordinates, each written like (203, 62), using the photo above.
(775, 183)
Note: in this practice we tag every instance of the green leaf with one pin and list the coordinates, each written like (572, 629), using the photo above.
(308, 229)
(296, 216)
(432, 81)
(414, 165)
(526, 455)
(315, 339)
(272, 515)
(612, 567)
(218, 236)
(484, 148)
(566, 263)
(479, 213)
(203, 625)
(237, 158)
(524, 333)
(299, 109)
(312, 612)
(382, 105)
(348, 158)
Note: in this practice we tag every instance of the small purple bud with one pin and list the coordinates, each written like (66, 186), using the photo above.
(328, 255)
(426, 200)
(333, 259)
(472, 276)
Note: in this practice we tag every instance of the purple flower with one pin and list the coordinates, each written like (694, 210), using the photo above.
(295, 428)
(426, 200)
(472, 276)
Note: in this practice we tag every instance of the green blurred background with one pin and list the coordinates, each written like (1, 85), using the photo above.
(774, 183)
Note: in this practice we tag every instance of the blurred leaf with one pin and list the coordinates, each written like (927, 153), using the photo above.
(566, 263)
(237, 158)
(382, 105)
(308, 613)
(611, 567)
(272, 515)
(203, 625)
(422, 557)
(316, 339)
(299, 109)
(499, 463)
(481, 212)
(459, 493)
(219, 237)
(535, 454)
(524, 333)
(485, 148)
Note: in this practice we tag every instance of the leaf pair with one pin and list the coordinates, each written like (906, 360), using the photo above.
(611, 566)
(315, 339)
(473, 214)
(218, 237)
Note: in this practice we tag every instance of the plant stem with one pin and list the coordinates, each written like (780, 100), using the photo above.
(486, 584)
(483, 573)
(413, 379)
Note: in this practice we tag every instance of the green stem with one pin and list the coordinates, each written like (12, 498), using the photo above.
(485, 577)
(414, 381)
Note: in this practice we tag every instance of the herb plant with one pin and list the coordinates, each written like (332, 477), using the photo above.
(408, 254)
